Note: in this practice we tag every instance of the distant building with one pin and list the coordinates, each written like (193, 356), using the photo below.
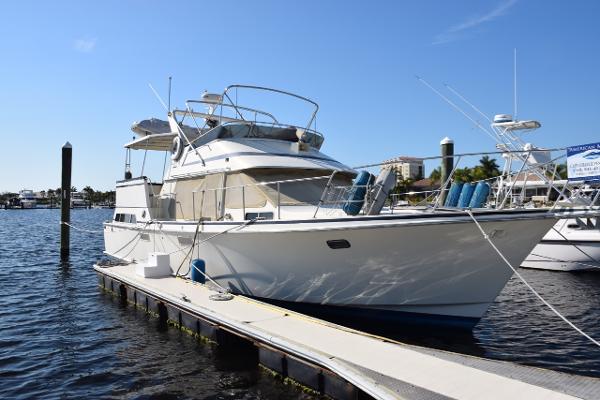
(407, 168)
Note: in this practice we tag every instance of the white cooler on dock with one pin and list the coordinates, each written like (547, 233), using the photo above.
(157, 266)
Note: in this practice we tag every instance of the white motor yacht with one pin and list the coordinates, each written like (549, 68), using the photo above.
(78, 200)
(274, 218)
(27, 199)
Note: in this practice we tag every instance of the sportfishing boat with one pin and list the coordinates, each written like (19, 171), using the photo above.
(274, 218)
(571, 244)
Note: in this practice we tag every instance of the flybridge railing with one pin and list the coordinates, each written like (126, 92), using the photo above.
(512, 192)
(239, 111)
(203, 130)
(508, 189)
(266, 89)
(237, 108)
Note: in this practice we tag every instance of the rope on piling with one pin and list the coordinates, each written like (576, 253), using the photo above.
(554, 310)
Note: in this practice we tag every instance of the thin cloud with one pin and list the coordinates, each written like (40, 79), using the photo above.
(84, 45)
(459, 31)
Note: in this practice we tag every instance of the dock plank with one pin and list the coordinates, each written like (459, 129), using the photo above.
(381, 368)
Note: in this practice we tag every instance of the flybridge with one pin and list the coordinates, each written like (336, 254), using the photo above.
(222, 119)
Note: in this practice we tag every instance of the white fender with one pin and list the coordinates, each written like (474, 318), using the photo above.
(176, 149)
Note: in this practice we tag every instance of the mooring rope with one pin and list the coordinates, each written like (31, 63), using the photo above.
(246, 223)
(80, 229)
(554, 310)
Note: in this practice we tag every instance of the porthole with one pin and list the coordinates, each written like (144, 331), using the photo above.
(338, 244)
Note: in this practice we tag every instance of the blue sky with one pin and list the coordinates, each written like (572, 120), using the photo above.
(79, 71)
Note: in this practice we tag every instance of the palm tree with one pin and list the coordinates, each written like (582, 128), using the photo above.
(489, 167)
(436, 175)
(561, 171)
(463, 174)
(89, 194)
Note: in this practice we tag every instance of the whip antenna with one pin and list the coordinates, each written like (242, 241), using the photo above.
(158, 97)
(463, 98)
(457, 108)
(170, 78)
(515, 84)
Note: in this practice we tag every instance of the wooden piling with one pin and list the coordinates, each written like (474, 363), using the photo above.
(447, 166)
(65, 206)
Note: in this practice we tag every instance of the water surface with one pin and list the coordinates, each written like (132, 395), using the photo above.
(60, 336)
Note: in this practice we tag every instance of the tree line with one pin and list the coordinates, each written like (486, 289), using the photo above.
(52, 196)
(488, 168)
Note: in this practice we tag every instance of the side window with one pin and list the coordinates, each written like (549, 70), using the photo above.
(128, 218)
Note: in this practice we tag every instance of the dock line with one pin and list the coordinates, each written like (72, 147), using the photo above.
(555, 311)
(79, 229)
(246, 223)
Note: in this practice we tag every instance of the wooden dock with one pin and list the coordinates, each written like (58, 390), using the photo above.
(333, 360)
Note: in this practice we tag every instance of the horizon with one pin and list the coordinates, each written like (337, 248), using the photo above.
(80, 73)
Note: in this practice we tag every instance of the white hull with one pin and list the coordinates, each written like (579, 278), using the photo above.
(28, 204)
(437, 266)
(570, 250)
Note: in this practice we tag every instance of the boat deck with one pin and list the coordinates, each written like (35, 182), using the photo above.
(335, 360)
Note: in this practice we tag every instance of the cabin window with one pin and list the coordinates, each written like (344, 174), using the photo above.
(199, 197)
(127, 218)
(243, 192)
(205, 197)
(306, 192)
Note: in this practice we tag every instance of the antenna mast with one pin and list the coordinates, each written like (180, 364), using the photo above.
(169, 110)
(515, 84)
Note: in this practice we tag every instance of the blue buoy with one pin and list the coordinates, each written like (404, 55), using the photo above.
(356, 198)
(465, 195)
(453, 194)
(482, 191)
(198, 271)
